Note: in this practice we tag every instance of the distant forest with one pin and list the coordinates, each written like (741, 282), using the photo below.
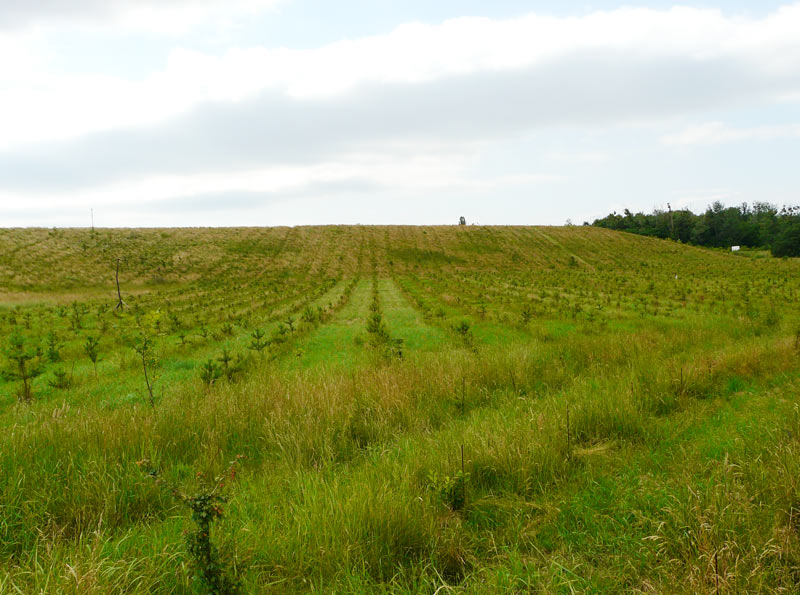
(761, 225)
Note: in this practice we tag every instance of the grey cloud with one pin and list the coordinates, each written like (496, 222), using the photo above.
(19, 13)
(579, 90)
(210, 202)
(13, 216)
(241, 200)
(16, 14)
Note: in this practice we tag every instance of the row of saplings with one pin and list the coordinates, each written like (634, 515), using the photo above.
(379, 338)
(25, 359)
(228, 366)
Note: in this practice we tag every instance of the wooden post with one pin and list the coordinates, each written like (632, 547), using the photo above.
(569, 447)
(120, 303)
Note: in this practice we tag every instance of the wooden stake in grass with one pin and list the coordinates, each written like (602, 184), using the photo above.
(569, 445)
(143, 347)
(120, 303)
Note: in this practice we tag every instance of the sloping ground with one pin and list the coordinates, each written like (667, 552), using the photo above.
(37, 260)
(334, 343)
(572, 409)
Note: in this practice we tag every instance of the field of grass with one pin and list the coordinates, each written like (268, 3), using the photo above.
(408, 409)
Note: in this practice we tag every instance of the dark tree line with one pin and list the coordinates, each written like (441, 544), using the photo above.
(761, 225)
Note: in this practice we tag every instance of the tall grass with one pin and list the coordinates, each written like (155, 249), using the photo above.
(636, 434)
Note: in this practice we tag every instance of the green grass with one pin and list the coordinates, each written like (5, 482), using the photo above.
(405, 322)
(335, 343)
(640, 433)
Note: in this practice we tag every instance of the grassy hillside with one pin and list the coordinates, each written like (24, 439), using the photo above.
(409, 409)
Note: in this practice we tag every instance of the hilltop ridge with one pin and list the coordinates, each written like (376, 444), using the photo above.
(62, 259)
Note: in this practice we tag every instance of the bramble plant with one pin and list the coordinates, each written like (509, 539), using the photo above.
(212, 572)
(451, 490)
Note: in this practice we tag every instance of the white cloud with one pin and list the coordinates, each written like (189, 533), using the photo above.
(698, 199)
(414, 111)
(37, 104)
(154, 16)
(578, 156)
(713, 133)
(426, 172)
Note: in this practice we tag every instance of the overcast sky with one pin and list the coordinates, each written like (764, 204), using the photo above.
(288, 112)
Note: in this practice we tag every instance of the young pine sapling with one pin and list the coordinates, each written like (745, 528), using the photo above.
(209, 372)
(60, 379)
(92, 349)
(53, 347)
(24, 364)
(290, 323)
(258, 341)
